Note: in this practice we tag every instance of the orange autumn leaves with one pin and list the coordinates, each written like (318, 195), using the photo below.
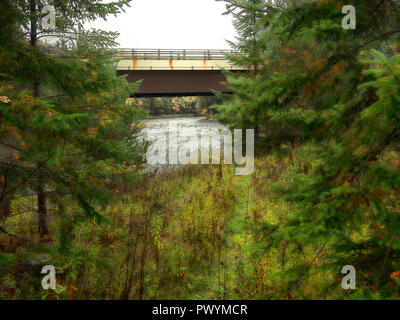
(395, 275)
(308, 62)
(93, 131)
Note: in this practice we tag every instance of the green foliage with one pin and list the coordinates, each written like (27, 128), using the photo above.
(311, 89)
(242, 110)
(176, 106)
(72, 138)
(325, 193)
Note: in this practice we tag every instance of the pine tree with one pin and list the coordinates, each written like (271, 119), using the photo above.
(313, 89)
(350, 119)
(73, 137)
(243, 108)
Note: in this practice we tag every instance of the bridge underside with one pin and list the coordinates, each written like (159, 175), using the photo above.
(174, 83)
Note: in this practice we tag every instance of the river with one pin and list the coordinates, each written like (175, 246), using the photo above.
(183, 127)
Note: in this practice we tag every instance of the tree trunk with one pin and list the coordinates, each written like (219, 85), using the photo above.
(5, 208)
(256, 132)
(41, 193)
(33, 23)
(42, 207)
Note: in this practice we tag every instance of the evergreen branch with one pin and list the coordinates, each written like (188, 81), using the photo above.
(22, 212)
(235, 4)
(372, 154)
(380, 37)
(14, 165)
(379, 5)
(10, 146)
(335, 59)
(2, 230)
(318, 253)
(23, 181)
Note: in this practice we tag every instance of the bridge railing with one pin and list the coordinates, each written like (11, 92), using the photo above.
(165, 54)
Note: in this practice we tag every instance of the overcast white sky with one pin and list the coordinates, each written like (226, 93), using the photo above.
(171, 24)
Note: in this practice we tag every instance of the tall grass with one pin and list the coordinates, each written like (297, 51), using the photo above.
(192, 233)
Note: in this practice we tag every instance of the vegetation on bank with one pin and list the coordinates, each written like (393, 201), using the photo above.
(324, 104)
(185, 106)
(198, 238)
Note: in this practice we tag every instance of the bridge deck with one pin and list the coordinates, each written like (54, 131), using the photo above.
(164, 59)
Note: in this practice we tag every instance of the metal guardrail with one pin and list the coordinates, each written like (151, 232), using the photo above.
(212, 68)
(163, 54)
(166, 54)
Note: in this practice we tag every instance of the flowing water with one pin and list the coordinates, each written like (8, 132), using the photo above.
(183, 127)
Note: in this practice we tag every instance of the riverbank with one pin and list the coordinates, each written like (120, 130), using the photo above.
(170, 116)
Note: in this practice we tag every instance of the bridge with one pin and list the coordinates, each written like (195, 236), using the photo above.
(175, 72)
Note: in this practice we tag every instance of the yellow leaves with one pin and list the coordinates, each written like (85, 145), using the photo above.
(175, 104)
(129, 101)
(100, 99)
(90, 98)
(92, 131)
(5, 99)
(189, 99)
(105, 118)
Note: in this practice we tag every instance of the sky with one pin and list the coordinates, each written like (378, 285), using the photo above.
(171, 24)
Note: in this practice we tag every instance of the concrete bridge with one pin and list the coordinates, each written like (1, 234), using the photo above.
(175, 72)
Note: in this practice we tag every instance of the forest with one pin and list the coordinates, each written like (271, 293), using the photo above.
(323, 100)
(189, 106)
